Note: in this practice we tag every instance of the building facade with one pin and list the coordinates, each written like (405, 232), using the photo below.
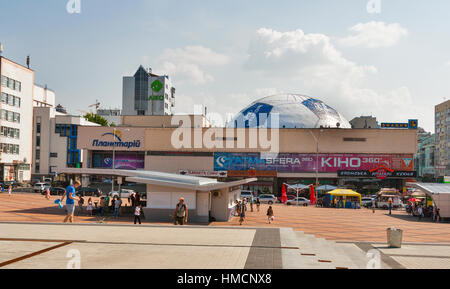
(111, 115)
(55, 138)
(146, 93)
(16, 111)
(424, 159)
(344, 156)
(442, 126)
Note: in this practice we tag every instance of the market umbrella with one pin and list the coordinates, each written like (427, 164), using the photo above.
(313, 196)
(413, 200)
(326, 188)
(284, 195)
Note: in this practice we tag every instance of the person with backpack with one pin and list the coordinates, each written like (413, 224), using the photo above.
(180, 214)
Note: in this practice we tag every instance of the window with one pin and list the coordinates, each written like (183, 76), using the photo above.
(37, 168)
(38, 141)
(53, 155)
(10, 116)
(38, 154)
(4, 81)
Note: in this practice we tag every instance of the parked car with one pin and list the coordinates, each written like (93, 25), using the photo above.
(41, 187)
(55, 191)
(13, 183)
(267, 198)
(89, 192)
(301, 202)
(125, 193)
(366, 202)
(246, 194)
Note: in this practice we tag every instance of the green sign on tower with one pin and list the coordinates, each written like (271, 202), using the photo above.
(156, 85)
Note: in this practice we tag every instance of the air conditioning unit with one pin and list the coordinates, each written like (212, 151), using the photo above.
(217, 194)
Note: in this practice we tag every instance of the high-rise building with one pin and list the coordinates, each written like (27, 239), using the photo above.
(364, 122)
(16, 115)
(146, 93)
(442, 126)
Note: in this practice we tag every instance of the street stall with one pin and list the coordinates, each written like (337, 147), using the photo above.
(343, 198)
(297, 188)
(439, 194)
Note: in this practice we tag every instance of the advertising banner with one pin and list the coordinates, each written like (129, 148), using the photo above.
(122, 161)
(306, 163)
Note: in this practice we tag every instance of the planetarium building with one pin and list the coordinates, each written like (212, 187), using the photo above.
(313, 142)
(292, 111)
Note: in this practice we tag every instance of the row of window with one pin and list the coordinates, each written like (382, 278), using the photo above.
(10, 132)
(9, 116)
(9, 148)
(10, 99)
(11, 83)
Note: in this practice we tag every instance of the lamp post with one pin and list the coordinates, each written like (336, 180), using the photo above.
(114, 160)
(317, 156)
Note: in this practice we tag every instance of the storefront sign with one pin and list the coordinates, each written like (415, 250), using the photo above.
(412, 124)
(376, 174)
(220, 174)
(250, 174)
(108, 139)
(306, 163)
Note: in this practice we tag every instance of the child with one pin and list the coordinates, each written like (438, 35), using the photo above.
(137, 214)
(90, 208)
(270, 214)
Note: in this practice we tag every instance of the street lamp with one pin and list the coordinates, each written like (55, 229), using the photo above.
(114, 160)
(317, 155)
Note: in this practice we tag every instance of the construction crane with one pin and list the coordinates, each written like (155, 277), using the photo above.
(96, 105)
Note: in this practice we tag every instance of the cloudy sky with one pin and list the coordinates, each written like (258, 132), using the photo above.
(226, 54)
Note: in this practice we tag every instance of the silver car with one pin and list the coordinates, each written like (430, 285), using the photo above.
(267, 199)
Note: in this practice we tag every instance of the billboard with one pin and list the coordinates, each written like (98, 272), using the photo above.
(306, 163)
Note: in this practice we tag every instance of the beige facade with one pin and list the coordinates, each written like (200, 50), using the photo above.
(442, 124)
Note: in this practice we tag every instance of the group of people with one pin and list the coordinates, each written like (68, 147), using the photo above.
(422, 211)
(106, 203)
(241, 209)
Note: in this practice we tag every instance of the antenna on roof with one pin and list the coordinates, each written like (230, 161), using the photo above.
(1, 49)
(28, 61)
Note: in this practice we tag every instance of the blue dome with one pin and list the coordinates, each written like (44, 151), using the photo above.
(294, 111)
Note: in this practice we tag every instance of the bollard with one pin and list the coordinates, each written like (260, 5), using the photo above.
(394, 237)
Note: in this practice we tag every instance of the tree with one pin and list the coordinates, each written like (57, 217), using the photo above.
(95, 118)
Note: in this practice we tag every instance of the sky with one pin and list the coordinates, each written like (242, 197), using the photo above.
(390, 60)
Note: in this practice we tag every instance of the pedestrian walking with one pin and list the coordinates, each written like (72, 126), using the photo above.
(270, 215)
(258, 204)
(47, 194)
(242, 215)
(137, 214)
(70, 201)
(10, 190)
(117, 205)
(180, 214)
(438, 215)
(107, 203)
(390, 206)
(102, 206)
(420, 212)
(373, 206)
(251, 205)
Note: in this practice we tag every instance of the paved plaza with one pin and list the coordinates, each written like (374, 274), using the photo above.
(32, 236)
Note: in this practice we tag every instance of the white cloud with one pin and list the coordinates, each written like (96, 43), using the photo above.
(310, 64)
(187, 65)
(296, 51)
(374, 35)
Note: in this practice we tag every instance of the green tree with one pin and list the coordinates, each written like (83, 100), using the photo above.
(95, 118)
